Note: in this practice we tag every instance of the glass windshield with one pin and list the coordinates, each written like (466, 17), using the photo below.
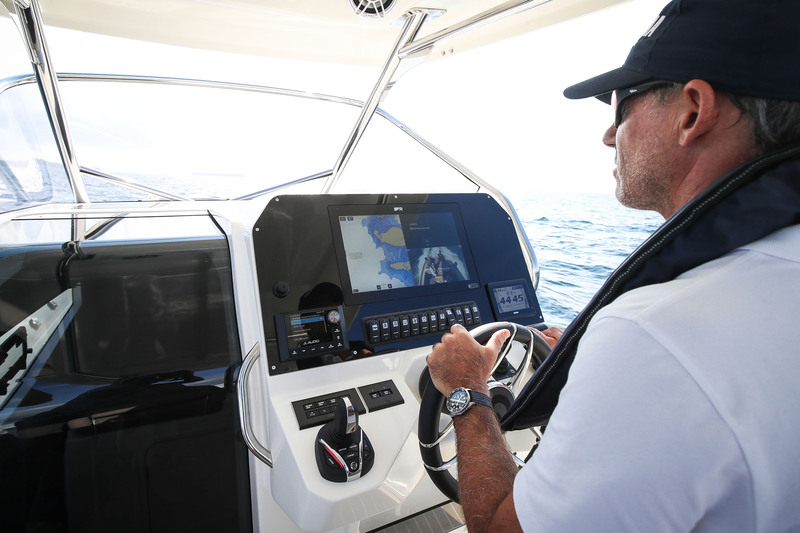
(183, 140)
(30, 167)
(154, 138)
(202, 142)
(31, 171)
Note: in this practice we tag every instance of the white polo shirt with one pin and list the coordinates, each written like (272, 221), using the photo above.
(682, 407)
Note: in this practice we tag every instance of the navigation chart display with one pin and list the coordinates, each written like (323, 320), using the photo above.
(403, 249)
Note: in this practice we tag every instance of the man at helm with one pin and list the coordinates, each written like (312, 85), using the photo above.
(680, 408)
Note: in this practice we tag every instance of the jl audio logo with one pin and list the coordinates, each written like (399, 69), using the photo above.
(396, 209)
(653, 27)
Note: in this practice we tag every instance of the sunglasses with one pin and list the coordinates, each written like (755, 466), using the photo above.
(620, 95)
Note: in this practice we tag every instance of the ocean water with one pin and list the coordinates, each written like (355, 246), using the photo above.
(579, 240)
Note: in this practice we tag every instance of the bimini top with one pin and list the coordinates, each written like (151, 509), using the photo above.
(341, 31)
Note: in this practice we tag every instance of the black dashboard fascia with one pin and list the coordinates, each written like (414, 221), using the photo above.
(297, 269)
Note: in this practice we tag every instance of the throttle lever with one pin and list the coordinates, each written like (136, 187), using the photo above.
(345, 418)
(343, 450)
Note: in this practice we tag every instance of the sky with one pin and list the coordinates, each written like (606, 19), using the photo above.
(513, 126)
(498, 110)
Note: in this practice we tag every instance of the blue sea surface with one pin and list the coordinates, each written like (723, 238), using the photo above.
(579, 240)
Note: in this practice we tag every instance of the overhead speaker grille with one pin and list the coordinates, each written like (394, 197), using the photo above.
(372, 8)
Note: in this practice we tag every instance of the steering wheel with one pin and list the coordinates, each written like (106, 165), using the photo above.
(504, 385)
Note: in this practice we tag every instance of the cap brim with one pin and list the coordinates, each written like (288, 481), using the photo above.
(602, 85)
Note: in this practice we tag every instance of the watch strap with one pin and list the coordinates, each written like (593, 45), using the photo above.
(479, 398)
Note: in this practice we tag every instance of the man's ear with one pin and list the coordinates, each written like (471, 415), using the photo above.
(699, 111)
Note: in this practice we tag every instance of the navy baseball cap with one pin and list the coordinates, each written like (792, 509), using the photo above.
(745, 47)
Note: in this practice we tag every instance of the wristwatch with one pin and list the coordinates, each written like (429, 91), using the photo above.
(461, 399)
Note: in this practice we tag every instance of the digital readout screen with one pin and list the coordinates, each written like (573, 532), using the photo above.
(510, 299)
(304, 329)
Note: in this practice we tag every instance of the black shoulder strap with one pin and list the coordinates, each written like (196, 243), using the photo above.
(747, 203)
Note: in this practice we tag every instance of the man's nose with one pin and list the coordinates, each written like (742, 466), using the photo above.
(610, 137)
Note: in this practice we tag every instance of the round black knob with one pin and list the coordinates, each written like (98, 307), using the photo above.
(281, 289)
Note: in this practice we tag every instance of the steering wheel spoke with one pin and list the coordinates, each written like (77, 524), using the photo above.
(442, 436)
(504, 390)
(447, 465)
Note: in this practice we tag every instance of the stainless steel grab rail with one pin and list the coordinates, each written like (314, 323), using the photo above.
(29, 19)
(250, 439)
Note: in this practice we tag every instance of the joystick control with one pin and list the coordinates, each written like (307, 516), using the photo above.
(343, 450)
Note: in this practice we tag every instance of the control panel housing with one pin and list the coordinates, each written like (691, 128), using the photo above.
(344, 277)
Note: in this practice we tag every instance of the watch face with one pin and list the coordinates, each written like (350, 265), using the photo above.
(457, 402)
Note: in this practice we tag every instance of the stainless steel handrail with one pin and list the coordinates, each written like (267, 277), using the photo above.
(250, 438)
(508, 9)
(30, 21)
(524, 241)
(312, 177)
(209, 84)
(132, 185)
(413, 21)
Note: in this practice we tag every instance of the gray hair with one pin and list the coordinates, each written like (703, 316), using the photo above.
(774, 123)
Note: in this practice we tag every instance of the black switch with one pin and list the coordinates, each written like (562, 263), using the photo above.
(414, 320)
(405, 326)
(423, 323)
(386, 330)
(373, 331)
(433, 321)
(395, 322)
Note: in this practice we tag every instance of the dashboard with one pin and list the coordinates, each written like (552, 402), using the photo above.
(344, 278)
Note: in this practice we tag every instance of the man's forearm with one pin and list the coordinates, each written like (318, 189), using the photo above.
(485, 470)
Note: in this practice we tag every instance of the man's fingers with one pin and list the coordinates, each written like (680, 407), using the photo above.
(497, 340)
(457, 328)
(551, 335)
